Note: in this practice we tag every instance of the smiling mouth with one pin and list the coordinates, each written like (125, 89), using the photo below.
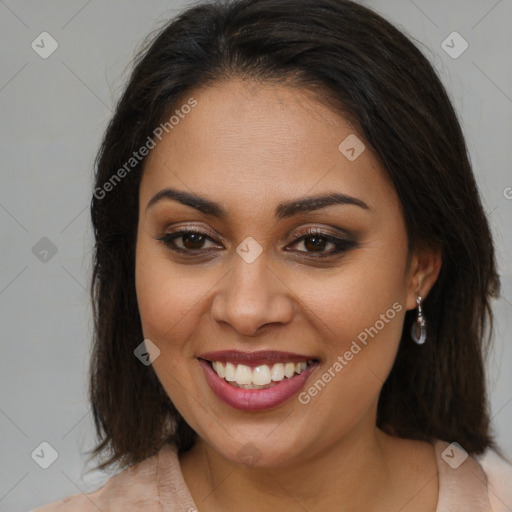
(258, 377)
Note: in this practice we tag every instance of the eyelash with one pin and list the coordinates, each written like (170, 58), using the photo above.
(340, 245)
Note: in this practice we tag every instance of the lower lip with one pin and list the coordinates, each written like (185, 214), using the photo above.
(255, 399)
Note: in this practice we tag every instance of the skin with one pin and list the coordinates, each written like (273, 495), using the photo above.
(249, 147)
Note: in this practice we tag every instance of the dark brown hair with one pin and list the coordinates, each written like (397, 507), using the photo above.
(359, 64)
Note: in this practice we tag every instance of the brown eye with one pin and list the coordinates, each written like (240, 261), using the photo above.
(188, 241)
(315, 243)
(193, 240)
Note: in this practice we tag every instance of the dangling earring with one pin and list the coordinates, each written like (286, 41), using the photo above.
(419, 327)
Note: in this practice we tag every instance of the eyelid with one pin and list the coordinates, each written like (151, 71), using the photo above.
(342, 242)
(195, 229)
(179, 233)
(320, 230)
(338, 232)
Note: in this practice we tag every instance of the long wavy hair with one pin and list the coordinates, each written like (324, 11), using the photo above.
(360, 66)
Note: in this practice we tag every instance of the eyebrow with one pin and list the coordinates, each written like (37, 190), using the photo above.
(282, 211)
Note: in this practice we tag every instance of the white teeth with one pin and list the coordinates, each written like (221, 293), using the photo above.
(277, 372)
(230, 372)
(300, 367)
(219, 368)
(243, 374)
(263, 375)
(289, 370)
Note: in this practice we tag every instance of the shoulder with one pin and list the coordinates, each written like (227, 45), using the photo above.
(134, 488)
(498, 472)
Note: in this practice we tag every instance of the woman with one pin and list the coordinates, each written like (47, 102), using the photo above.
(293, 274)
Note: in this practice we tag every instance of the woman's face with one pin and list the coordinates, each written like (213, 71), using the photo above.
(248, 296)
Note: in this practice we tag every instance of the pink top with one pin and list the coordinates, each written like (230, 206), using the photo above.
(479, 484)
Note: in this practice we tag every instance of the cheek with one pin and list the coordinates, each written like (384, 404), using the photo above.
(166, 307)
(163, 297)
(360, 313)
(172, 299)
(365, 287)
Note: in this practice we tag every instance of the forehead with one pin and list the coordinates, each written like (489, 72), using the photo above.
(256, 144)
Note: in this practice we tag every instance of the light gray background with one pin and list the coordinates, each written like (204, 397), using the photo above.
(54, 111)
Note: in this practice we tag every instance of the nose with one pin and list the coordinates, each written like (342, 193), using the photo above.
(252, 296)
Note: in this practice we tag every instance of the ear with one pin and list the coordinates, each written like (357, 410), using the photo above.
(423, 271)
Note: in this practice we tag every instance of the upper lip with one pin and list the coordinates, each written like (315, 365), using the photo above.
(255, 358)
